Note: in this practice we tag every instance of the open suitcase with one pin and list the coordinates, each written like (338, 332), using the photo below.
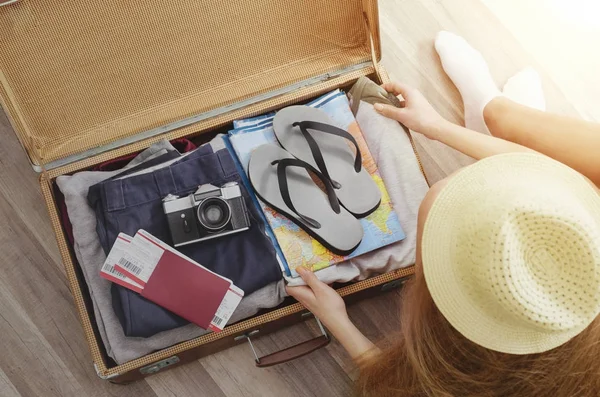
(84, 82)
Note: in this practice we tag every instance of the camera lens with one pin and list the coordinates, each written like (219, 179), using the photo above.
(214, 213)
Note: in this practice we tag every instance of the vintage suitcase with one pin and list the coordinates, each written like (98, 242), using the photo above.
(85, 81)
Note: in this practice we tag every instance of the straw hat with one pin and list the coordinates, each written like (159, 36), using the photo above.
(511, 253)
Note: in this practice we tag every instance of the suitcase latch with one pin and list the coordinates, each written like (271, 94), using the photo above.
(154, 368)
(247, 337)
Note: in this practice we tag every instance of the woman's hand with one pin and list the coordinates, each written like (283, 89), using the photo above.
(330, 308)
(417, 114)
(320, 299)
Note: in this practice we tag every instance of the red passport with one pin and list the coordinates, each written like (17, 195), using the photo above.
(190, 291)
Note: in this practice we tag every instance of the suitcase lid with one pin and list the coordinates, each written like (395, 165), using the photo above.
(79, 77)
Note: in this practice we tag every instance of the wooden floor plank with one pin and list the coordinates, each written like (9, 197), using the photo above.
(7, 389)
(189, 380)
(44, 349)
(408, 29)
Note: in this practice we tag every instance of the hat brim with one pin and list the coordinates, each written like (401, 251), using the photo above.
(442, 274)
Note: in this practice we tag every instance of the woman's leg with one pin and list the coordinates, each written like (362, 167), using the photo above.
(573, 142)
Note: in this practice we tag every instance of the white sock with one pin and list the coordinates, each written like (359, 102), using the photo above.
(525, 88)
(470, 74)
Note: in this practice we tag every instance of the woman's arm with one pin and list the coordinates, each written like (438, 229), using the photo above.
(571, 141)
(472, 143)
(356, 344)
(419, 116)
(330, 308)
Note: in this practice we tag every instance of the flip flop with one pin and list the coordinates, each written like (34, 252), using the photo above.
(283, 183)
(309, 135)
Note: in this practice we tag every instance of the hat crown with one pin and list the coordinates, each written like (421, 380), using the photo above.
(534, 263)
(511, 253)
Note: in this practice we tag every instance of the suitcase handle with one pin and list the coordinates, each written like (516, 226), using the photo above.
(8, 2)
(294, 352)
(289, 353)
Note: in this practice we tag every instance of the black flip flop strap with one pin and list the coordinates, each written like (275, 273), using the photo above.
(316, 151)
(285, 191)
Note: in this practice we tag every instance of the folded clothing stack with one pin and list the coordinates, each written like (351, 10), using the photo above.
(112, 195)
(128, 199)
(127, 204)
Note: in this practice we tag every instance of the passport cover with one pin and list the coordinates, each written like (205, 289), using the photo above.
(188, 290)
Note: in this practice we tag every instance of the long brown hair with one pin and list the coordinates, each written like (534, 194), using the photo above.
(430, 358)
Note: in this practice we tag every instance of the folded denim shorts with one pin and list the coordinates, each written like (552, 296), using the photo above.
(135, 202)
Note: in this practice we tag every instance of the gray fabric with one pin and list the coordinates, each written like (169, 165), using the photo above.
(358, 191)
(90, 256)
(405, 183)
(392, 151)
(340, 231)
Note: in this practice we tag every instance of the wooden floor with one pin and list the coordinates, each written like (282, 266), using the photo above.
(42, 348)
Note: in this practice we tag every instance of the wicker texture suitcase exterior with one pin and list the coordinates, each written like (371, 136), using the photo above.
(84, 82)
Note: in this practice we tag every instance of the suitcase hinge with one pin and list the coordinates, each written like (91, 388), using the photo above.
(154, 368)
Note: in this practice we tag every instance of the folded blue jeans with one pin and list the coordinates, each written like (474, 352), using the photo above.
(135, 202)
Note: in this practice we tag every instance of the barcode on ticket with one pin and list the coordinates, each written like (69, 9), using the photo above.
(228, 305)
(130, 266)
(111, 273)
(111, 269)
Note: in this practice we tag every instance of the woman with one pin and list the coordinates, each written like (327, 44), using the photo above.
(507, 286)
